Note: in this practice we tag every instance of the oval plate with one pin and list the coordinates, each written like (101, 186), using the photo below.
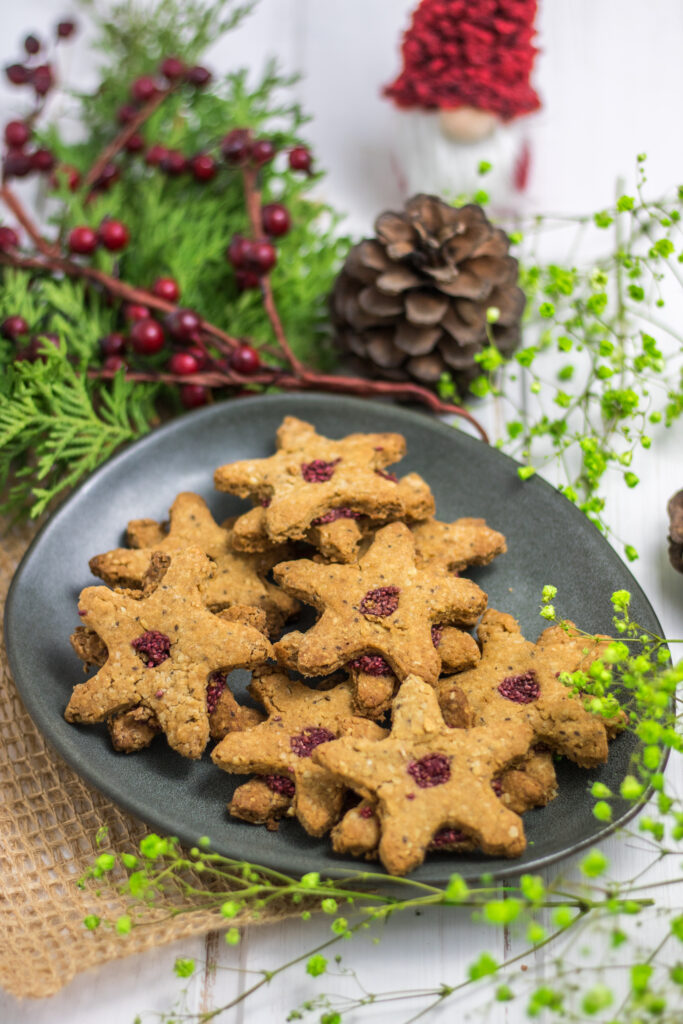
(549, 541)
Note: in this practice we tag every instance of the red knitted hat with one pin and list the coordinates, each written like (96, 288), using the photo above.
(469, 53)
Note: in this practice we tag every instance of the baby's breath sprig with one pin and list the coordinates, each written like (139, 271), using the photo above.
(621, 980)
(601, 372)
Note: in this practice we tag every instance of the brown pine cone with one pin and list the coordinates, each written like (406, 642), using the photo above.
(413, 301)
(675, 510)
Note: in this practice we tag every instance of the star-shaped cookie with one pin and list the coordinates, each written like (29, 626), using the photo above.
(426, 777)
(517, 681)
(162, 649)
(311, 475)
(384, 604)
(136, 728)
(454, 546)
(299, 720)
(237, 578)
(338, 535)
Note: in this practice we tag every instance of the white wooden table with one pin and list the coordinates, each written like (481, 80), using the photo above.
(611, 78)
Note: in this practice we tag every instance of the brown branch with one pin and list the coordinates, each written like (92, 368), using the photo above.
(115, 286)
(117, 143)
(311, 382)
(17, 208)
(252, 196)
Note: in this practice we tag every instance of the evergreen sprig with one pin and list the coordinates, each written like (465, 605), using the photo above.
(597, 908)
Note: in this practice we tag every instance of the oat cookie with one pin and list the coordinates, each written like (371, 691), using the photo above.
(517, 681)
(311, 475)
(426, 777)
(263, 801)
(531, 783)
(384, 604)
(237, 578)
(162, 649)
(454, 546)
(299, 719)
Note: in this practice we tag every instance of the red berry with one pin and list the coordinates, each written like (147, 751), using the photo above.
(203, 167)
(135, 143)
(172, 68)
(236, 146)
(66, 29)
(42, 79)
(133, 311)
(174, 163)
(183, 363)
(155, 154)
(9, 239)
(112, 344)
(17, 134)
(43, 160)
(65, 174)
(82, 240)
(247, 279)
(114, 363)
(275, 219)
(108, 175)
(18, 74)
(239, 251)
(262, 152)
(198, 356)
(263, 257)
(143, 89)
(194, 395)
(147, 336)
(300, 159)
(183, 324)
(34, 350)
(166, 288)
(113, 235)
(31, 44)
(126, 113)
(245, 360)
(13, 327)
(198, 76)
(17, 164)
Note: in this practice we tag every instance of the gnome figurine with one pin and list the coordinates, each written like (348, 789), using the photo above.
(464, 84)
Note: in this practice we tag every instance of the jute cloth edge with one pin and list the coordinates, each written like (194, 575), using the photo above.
(49, 819)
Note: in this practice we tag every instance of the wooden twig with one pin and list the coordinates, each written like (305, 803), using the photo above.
(117, 143)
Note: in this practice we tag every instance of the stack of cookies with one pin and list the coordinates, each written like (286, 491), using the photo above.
(385, 724)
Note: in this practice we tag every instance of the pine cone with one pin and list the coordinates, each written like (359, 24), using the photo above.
(413, 301)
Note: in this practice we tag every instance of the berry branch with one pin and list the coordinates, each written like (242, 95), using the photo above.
(125, 135)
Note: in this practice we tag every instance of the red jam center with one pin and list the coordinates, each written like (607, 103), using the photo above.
(310, 738)
(365, 812)
(318, 471)
(386, 475)
(522, 689)
(334, 514)
(381, 602)
(432, 770)
(497, 786)
(265, 502)
(280, 784)
(437, 633)
(153, 646)
(214, 688)
(372, 664)
(445, 837)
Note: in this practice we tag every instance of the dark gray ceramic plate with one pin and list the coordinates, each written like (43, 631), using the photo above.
(549, 541)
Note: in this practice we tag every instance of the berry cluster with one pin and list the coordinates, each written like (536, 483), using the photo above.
(111, 234)
(18, 161)
(34, 70)
(253, 258)
(17, 330)
(181, 332)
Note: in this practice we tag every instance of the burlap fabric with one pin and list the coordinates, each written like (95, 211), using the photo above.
(48, 822)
